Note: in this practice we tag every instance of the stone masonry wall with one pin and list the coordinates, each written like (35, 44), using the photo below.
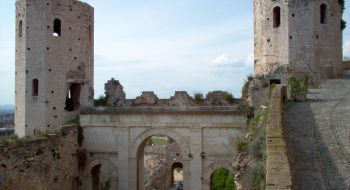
(278, 175)
(41, 164)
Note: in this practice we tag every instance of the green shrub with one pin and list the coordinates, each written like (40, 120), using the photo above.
(198, 97)
(229, 98)
(246, 84)
(101, 101)
(222, 179)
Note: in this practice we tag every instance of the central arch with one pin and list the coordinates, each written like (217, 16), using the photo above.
(138, 145)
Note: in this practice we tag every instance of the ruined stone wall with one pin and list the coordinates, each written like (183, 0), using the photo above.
(278, 174)
(116, 98)
(56, 59)
(41, 164)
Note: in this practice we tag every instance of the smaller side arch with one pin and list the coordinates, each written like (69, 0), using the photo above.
(104, 169)
(216, 165)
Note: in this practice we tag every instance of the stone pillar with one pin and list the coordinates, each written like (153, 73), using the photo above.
(196, 162)
(123, 158)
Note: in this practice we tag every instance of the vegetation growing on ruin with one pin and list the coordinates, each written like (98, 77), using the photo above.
(298, 86)
(254, 176)
(222, 180)
(253, 146)
(198, 97)
(245, 87)
(230, 98)
(5, 139)
(342, 4)
(101, 101)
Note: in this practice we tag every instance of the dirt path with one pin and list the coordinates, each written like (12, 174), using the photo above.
(318, 137)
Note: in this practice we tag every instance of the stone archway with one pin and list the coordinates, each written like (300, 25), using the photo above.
(173, 167)
(100, 171)
(138, 145)
(227, 164)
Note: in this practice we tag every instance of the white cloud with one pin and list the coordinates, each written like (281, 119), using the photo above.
(249, 61)
(222, 59)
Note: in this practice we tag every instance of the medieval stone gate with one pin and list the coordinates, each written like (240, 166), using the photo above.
(205, 135)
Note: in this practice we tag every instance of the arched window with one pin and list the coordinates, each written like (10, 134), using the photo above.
(20, 27)
(35, 86)
(57, 27)
(323, 13)
(276, 17)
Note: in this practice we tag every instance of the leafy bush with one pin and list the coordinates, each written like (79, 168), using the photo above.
(245, 87)
(198, 97)
(222, 179)
(229, 98)
(101, 101)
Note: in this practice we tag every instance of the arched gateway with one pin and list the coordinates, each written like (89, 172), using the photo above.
(205, 136)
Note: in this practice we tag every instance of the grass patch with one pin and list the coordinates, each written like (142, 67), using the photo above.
(5, 139)
(158, 141)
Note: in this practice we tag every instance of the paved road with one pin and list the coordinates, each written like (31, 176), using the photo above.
(318, 137)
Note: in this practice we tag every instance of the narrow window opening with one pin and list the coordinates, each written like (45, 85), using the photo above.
(35, 87)
(57, 27)
(90, 37)
(323, 11)
(73, 97)
(20, 28)
(276, 17)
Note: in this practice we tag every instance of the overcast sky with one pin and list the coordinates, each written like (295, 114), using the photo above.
(160, 45)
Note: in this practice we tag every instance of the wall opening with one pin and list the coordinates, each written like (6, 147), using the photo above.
(177, 177)
(159, 155)
(276, 17)
(56, 27)
(90, 34)
(35, 87)
(95, 174)
(20, 28)
(323, 13)
(275, 81)
(73, 97)
(221, 179)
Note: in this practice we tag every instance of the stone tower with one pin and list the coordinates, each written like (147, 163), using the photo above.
(54, 62)
(297, 37)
